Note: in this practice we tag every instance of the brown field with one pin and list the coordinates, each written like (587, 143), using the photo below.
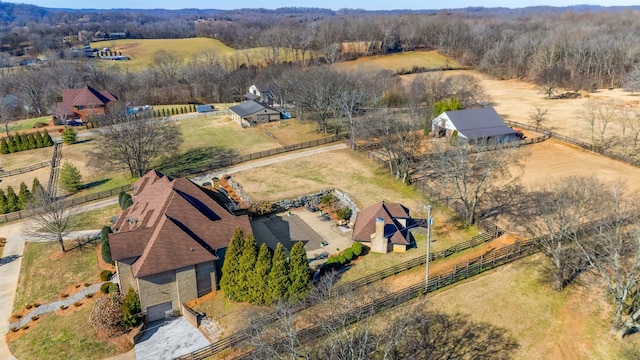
(515, 100)
(572, 324)
(401, 61)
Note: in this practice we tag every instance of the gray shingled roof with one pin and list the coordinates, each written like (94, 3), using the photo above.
(479, 123)
(249, 107)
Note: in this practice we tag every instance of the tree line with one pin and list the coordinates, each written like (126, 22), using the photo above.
(23, 142)
(262, 277)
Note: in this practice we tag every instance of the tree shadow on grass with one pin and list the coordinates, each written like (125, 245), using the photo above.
(95, 183)
(196, 160)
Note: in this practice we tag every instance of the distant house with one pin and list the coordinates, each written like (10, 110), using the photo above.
(251, 112)
(79, 104)
(473, 124)
(170, 244)
(260, 93)
(384, 227)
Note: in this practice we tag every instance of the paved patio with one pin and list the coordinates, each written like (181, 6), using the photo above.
(168, 339)
(302, 225)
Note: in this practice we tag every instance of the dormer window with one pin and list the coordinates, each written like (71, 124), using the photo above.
(80, 107)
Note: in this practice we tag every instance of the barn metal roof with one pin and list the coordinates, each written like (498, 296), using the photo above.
(249, 107)
(479, 123)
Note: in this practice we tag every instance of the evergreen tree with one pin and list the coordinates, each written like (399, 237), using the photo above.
(47, 140)
(104, 240)
(12, 144)
(124, 200)
(173, 111)
(69, 136)
(70, 178)
(39, 140)
(278, 281)
(246, 268)
(31, 140)
(19, 146)
(4, 146)
(299, 273)
(4, 208)
(130, 309)
(261, 275)
(230, 267)
(12, 200)
(23, 196)
(35, 186)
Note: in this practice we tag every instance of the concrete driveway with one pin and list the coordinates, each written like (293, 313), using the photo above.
(168, 339)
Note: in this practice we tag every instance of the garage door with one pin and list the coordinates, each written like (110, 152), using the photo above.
(159, 312)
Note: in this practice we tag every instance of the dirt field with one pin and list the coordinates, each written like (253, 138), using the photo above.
(515, 100)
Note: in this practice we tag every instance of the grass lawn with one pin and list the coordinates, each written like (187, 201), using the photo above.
(27, 124)
(221, 131)
(141, 51)
(572, 324)
(231, 316)
(45, 272)
(404, 61)
(93, 219)
(293, 131)
(62, 337)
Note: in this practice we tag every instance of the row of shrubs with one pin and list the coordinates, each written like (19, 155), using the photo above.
(23, 142)
(346, 255)
(10, 201)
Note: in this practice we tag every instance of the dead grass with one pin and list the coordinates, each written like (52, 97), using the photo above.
(46, 272)
(572, 324)
(292, 131)
(63, 337)
(231, 316)
(401, 62)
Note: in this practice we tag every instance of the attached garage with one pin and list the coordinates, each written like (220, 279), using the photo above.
(159, 312)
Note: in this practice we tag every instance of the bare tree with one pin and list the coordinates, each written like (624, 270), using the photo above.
(612, 249)
(468, 170)
(538, 116)
(551, 78)
(49, 217)
(632, 81)
(599, 115)
(133, 141)
(558, 210)
(400, 136)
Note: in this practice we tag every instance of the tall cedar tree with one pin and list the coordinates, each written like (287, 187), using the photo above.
(69, 136)
(23, 196)
(35, 186)
(32, 141)
(278, 281)
(70, 177)
(246, 268)
(299, 273)
(39, 139)
(19, 146)
(260, 276)
(4, 146)
(47, 140)
(12, 144)
(4, 207)
(104, 240)
(231, 265)
(12, 200)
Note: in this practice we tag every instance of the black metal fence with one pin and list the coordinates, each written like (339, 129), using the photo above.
(24, 169)
(18, 215)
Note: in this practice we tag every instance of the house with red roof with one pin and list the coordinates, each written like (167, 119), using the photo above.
(169, 245)
(80, 104)
(384, 227)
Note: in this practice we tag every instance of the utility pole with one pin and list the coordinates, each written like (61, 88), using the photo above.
(429, 222)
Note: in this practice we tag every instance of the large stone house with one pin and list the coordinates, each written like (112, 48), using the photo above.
(170, 244)
(384, 227)
(80, 104)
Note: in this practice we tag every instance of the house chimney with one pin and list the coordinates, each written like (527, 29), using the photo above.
(379, 241)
